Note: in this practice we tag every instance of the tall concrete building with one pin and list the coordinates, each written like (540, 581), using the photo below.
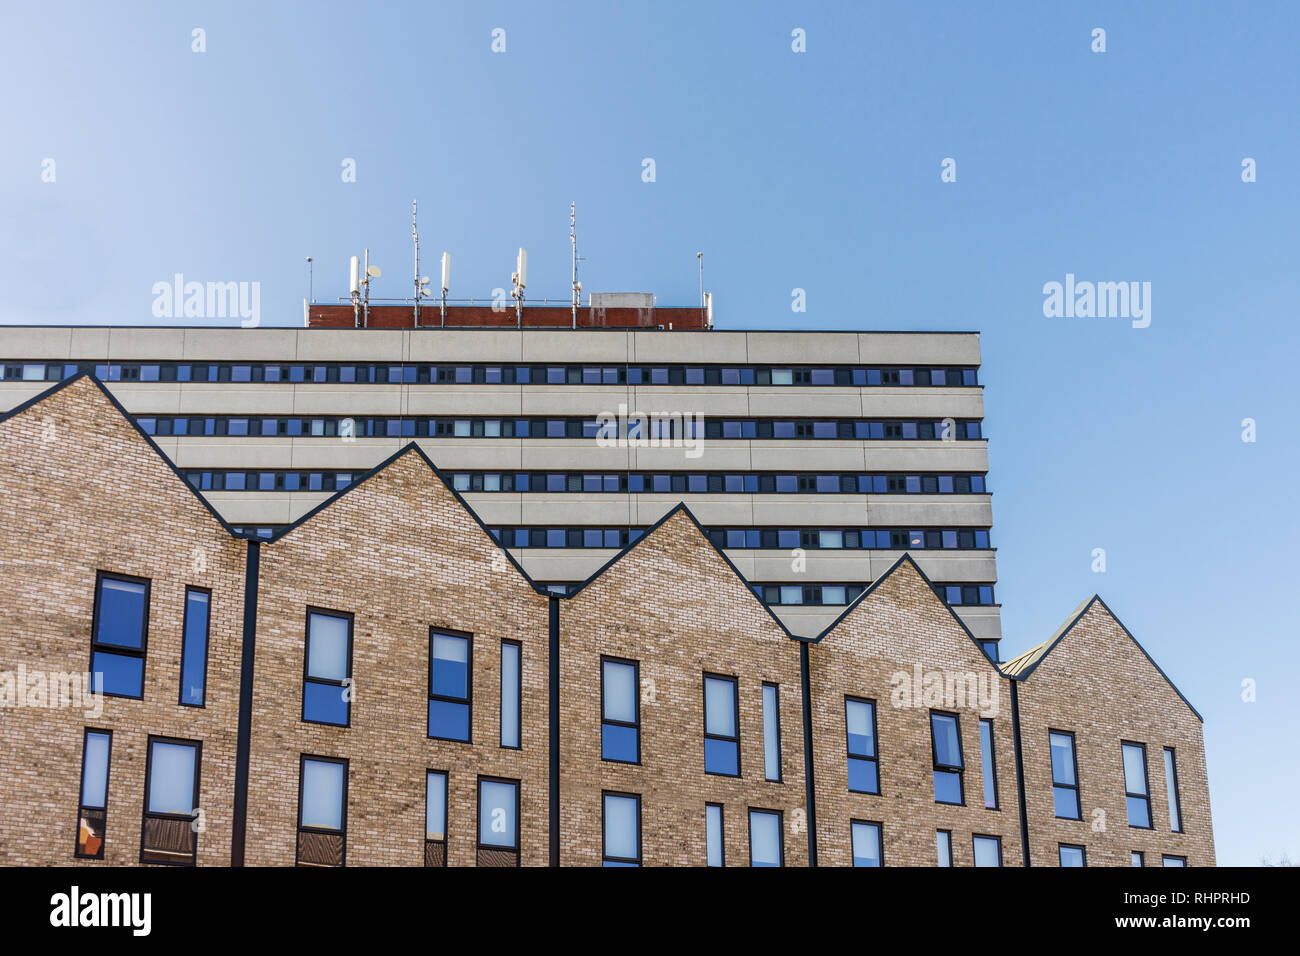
(813, 459)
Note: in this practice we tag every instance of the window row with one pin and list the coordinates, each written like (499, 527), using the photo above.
(621, 482)
(1137, 789)
(812, 539)
(835, 595)
(481, 374)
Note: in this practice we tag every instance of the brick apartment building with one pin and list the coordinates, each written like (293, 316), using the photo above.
(379, 679)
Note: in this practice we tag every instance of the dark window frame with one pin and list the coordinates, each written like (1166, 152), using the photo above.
(947, 833)
(1061, 847)
(636, 707)
(1166, 857)
(735, 701)
(604, 828)
(207, 645)
(875, 741)
(880, 838)
(118, 649)
(81, 793)
(776, 713)
(446, 813)
(722, 834)
(145, 813)
(992, 765)
(1174, 796)
(997, 841)
(1074, 763)
(345, 684)
(1146, 781)
(479, 845)
(342, 831)
(468, 700)
(519, 693)
(1137, 858)
(960, 769)
(780, 832)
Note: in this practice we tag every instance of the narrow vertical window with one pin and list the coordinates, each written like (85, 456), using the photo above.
(860, 724)
(721, 726)
(1137, 795)
(714, 835)
(194, 648)
(1171, 788)
(771, 733)
(766, 847)
(1135, 859)
(621, 819)
(620, 715)
(988, 850)
(498, 822)
(1071, 855)
(119, 634)
(511, 701)
(435, 818)
(866, 843)
(327, 668)
(943, 847)
(92, 814)
(322, 811)
(988, 764)
(1065, 775)
(450, 658)
(945, 736)
(170, 802)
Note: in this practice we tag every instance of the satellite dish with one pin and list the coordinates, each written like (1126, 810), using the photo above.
(374, 272)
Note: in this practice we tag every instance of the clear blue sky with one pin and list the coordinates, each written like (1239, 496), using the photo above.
(819, 171)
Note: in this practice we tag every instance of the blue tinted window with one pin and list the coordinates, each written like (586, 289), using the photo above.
(326, 694)
(622, 823)
(620, 715)
(721, 731)
(194, 648)
(866, 844)
(118, 644)
(498, 818)
(860, 720)
(449, 687)
(765, 843)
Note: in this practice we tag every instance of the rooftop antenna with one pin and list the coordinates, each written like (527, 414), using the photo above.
(372, 272)
(421, 282)
(446, 283)
(310, 296)
(519, 279)
(354, 287)
(700, 256)
(573, 241)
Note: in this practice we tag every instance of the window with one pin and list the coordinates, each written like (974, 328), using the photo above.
(860, 724)
(989, 764)
(170, 805)
(322, 811)
(721, 726)
(194, 647)
(92, 813)
(765, 838)
(1135, 858)
(771, 733)
(119, 634)
(1171, 788)
(1136, 792)
(327, 668)
(943, 846)
(946, 738)
(714, 835)
(1173, 861)
(498, 822)
(511, 693)
(620, 714)
(450, 657)
(621, 816)
(988, 850)
(1071, 855)
(866, 844)
(435, 818)
(1065, 775)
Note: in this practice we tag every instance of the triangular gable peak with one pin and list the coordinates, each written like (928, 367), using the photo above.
(678, 543)
(1094, 624)
(384, 494)
(81, 411)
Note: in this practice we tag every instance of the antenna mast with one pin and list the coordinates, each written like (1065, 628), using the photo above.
(415, 237)
(573, 241)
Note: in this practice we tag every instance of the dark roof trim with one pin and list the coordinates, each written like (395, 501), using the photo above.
(1069, 626)
(130, 419)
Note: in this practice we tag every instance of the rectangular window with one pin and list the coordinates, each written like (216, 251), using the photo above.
(866, 844)
(1137, 795)
(945, 735)
(721, 726)
(171, 792)
(943, 846)
(860, 724)
(498, 822)
(1171, 789)
(322, 811)
(92, 813)
(1173, 861)
(119, 635)
(989, 764)
(511, 693)
(327, 668)
(450, 660)
(620, 713)
(771, 733)
(1071, 855)
(988, 850)
(766, 846)
(435, 818)
(1135, 858)
(194, 647)
(621, 819)
(714, 835)
(1065, 775)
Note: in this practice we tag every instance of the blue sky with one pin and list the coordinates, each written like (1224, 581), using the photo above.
(819, 171)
